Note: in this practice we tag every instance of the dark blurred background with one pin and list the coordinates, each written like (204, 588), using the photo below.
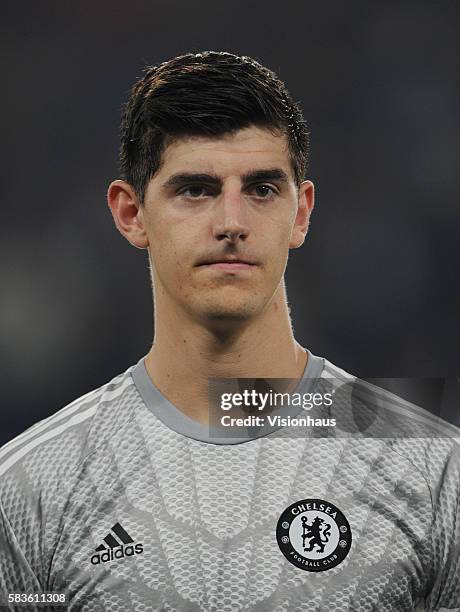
(375, 288)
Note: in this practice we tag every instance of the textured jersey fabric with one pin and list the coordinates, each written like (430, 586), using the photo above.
(122, 503)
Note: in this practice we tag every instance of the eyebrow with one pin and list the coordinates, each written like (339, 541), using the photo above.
(253, 176)
(272, 174)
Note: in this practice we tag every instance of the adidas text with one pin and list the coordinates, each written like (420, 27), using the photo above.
(117, 553)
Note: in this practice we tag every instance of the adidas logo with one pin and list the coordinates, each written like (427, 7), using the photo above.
(116, 548)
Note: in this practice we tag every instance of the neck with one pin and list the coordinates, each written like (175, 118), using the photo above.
(186, 353)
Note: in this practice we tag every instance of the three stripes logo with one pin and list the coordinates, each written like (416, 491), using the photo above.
(116, 547)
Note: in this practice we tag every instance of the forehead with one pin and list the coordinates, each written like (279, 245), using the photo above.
(248, 148)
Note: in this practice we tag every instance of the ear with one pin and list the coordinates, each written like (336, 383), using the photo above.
(127, 213)
(305, 204)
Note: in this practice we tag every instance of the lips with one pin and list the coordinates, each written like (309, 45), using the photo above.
(228, 264)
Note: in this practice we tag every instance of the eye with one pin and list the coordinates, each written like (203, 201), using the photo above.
(264, 191)
(195, 191)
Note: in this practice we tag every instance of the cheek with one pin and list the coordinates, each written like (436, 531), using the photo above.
(163, 251)
(280, 236)
(172, 254)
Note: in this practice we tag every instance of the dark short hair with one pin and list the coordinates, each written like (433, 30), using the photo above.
(204, 94)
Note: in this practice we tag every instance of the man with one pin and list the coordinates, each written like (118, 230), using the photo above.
(139, 496)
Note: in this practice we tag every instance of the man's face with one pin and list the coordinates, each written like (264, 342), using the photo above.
(220, 216)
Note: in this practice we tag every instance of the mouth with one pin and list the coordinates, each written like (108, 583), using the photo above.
(229, 264)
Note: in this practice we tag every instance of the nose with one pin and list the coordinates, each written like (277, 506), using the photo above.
(230, 221)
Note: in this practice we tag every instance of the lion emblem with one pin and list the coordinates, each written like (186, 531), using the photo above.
(318, 534)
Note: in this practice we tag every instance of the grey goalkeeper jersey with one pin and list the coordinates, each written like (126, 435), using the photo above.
(122, 503)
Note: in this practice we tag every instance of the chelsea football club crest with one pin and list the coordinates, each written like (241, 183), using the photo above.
(314, 535)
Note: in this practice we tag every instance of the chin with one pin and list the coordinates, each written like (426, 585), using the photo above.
(228, 311)
(227, 315)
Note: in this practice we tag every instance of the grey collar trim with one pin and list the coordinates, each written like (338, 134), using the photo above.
(179, 422)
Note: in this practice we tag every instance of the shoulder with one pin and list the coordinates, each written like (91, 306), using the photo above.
(427, 443)
(52, 448)
(42, 471)
(393, 416)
